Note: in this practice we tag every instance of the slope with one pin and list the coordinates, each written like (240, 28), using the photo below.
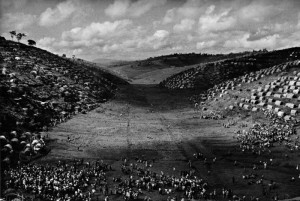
(156, 69)
(203, 77)
(40, 89)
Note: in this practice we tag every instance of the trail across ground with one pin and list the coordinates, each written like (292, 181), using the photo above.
(148, 122)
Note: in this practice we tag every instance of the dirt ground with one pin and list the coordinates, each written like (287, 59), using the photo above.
(151, 123)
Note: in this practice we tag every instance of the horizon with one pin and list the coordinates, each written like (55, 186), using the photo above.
(135, 30)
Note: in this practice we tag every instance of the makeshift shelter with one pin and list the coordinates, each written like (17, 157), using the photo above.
(254, 102)
(277, 109)
(290, 95)
(290, 105)
(277, 95)
(231, 107)
(269, 94)
(254, 97)
(296, 91)
(280, 114)
(246, 107)
(287, 117)
(294, 112)
(262, 104)
(254, 109)
(292, 83)
(269, 107)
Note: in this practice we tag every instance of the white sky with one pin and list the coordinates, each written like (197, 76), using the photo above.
(137, 29)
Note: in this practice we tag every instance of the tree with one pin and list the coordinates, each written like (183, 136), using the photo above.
(31, 42)
(20, 36)
(12, 34)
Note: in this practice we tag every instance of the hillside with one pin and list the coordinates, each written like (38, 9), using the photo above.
(273, 89)
(109, 62)
(156, 69)
(240, 137)
(40, 89)
(204, 76)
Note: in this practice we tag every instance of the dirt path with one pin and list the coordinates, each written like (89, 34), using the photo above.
(148, 122)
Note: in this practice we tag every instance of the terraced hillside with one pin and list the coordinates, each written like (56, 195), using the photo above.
(206, 76)
(275, 89)
(267, 102)
(38, 90)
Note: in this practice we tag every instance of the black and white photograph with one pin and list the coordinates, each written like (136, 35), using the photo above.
(150, 100)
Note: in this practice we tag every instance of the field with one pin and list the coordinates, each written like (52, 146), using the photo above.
(144, 75)
(160, 126)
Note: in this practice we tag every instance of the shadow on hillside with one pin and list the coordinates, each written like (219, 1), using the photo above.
(154, 97)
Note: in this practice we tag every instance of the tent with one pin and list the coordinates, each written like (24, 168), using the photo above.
(296, 91)
(8, 146)
(277, 109)
(277, 95)
(278, 102)
(292, 83)
(287, 117)
(294, 112)
(3, 139)
(14, 140)
(280, 114)
(290, 105)
(290, 96)
(254, 109)
(269, 94)
(246, 107)
(14, 133)
(27, 134)
(231, 107)
(262, 104)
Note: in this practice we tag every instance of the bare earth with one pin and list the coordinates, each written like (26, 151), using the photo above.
(148, 122)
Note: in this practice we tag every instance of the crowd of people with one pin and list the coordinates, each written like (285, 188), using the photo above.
(262, 136)
(49, 90)
(82, 180)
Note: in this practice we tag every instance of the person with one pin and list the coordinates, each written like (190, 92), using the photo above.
(190, 163)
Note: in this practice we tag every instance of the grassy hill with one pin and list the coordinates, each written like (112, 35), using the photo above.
(40, 89)
(204, 76)
(156, 69)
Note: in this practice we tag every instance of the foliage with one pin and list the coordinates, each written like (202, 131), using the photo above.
(20, 36)
(12, 34)
(31, 42)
